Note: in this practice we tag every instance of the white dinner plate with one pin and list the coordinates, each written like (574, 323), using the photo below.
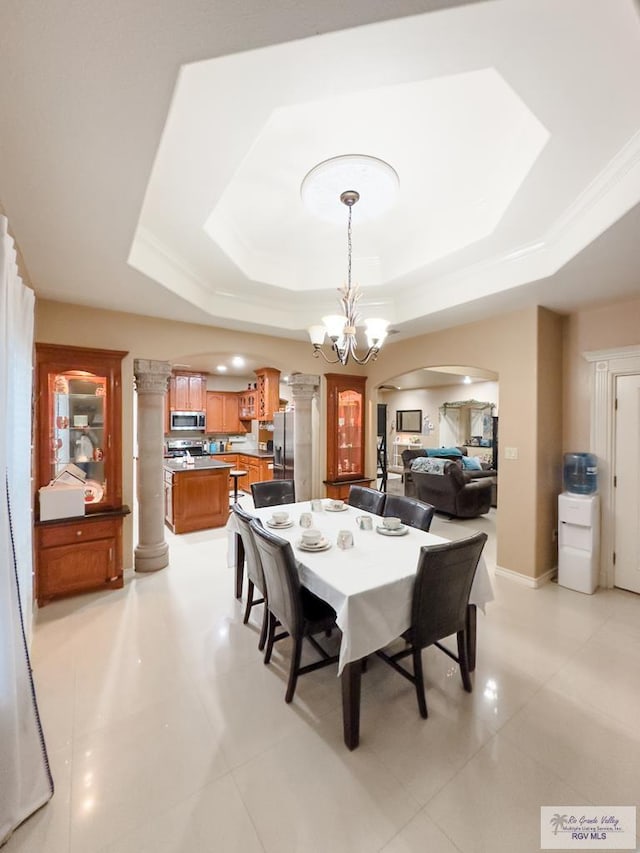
(331, 509)
(277, 526)
(400, 531)
(93, 492)
(322, 545)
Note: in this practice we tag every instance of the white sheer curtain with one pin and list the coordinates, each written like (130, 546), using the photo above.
(25, 780)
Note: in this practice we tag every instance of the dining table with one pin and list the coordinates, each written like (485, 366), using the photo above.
(369, 584)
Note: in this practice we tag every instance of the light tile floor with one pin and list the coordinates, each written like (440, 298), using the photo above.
(167, 734)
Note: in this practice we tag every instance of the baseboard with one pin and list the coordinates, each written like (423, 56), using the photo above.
(526, 580)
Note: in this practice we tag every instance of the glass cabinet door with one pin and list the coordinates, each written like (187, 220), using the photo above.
(345, 427)
(77, 415)
(349, 432)
(78, 420)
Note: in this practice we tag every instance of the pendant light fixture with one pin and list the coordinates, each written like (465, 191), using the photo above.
(361, 171)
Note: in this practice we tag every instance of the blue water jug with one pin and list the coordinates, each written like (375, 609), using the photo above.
(581, 473)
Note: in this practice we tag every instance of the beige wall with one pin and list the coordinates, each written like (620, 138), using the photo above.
(429, 400)
(549, 432)
(509, 345)
(608, 326)
(513, 346)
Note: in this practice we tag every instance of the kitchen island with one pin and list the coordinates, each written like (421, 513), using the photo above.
(196, 496)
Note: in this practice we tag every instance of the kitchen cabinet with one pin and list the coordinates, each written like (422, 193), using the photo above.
(345, 428)
(268, 393)
(168, 497)
(199, 496)
(78, 419)
(247, 407)
(187, 392)
(257, 469)
(222, 412)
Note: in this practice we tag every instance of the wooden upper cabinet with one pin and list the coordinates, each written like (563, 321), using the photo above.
(268, 393)
(215, 411)
(187, 392)
(222, 412)
(345, 426)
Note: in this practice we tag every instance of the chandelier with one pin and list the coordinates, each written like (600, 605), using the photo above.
(381, 180)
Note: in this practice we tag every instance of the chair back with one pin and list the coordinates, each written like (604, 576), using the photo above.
(441, 592)
(273, 493)
(410, 511)
(252, 556)
(369, 500)
(281, 578)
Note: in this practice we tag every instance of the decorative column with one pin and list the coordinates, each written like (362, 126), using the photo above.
(152, 552)
(304, 387)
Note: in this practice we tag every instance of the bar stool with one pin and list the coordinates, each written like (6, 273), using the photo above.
(236, 473)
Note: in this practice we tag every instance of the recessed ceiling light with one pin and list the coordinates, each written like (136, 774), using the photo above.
(467, 380)
(237, 361)
(221, 368)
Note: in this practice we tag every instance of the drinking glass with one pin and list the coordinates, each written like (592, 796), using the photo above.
(306, 519)
(316, 505)
(345, 539)
(365, 522)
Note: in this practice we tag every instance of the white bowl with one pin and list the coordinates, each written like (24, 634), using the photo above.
(392, 523)
(311, 536)
(279, 517)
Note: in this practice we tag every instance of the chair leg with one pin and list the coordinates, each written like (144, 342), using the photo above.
(247, 609)
(464, 661)
(264, 629)
(293, 671)
(270, 637)
(419, 682)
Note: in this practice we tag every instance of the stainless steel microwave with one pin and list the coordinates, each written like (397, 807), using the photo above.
(188, 420)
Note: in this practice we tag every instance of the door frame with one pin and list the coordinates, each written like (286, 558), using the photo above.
(606, 366)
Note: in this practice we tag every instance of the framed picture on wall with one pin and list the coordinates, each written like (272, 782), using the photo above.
(409, 420)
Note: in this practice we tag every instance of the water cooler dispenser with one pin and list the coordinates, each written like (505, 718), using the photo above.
(579, 524)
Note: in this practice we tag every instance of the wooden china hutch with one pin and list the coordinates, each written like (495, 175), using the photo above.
(345, 434)
(78, 420)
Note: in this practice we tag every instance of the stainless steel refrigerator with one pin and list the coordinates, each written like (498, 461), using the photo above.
(283, 461)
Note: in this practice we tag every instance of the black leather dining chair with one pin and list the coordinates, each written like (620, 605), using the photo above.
(364, 498)
(273, 493)
(300, 612)
(410, 511)
(255, 574)
(439, 608)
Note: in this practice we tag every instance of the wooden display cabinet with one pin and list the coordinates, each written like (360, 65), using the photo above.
(78, 419)
(345, 432)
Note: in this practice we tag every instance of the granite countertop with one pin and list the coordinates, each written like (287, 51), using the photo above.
(257, 454)
(200, 463)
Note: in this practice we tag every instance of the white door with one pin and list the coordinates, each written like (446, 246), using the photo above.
(627, 484)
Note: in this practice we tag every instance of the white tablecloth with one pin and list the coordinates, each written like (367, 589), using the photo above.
(370, 585)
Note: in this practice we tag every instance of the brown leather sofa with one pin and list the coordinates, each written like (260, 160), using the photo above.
(486, 473)
(454, 492)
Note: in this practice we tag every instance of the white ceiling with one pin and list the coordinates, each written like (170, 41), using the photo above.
(514, 127)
